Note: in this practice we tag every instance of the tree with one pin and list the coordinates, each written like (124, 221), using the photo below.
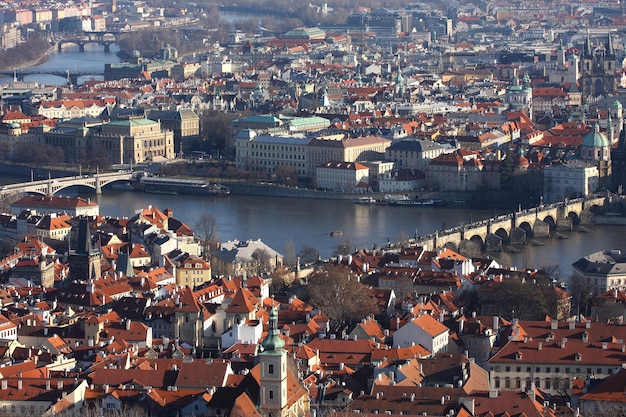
(206, 229)
(286, 175)
(215, 130)
(262, 264)
(289, 259)
(581, 296)
(338, 294)
(308, 254)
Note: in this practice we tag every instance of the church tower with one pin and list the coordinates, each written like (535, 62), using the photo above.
(599, 66)
(617, 120)
(84, 261)
(273, 380)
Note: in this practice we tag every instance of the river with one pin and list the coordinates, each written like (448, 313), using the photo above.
(92, 59)
(309, 222)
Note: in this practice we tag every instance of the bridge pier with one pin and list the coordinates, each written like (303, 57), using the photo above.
(541, 229)
(107, 48)
(518, 236)
(98, 186)
(493, 243)
(81, 47)
(564, 223)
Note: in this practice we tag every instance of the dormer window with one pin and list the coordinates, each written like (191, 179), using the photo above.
(578, 357)
(518, 356)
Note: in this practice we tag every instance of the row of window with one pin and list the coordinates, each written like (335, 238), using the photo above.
(550, 369)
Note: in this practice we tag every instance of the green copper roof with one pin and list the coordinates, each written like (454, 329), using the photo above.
(273, 343)
(595, 138)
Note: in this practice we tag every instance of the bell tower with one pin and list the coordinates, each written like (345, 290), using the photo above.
(273, 380)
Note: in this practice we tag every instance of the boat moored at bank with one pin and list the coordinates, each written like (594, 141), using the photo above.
(159, 185)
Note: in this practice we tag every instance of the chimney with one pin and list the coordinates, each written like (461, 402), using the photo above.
(4, 384)
(47, 384)
(496, 323)
(588, 324)
(461, 325)
(19, 383)
(563, 342)
(128, 324)
(539, 346)
(572, 324)
(493, 393)
(59, 384)
(554, 324)
(443, 400)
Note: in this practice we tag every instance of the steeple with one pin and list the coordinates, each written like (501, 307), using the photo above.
(587, 52)
(273, 342)
(610, 53)
(83, 246)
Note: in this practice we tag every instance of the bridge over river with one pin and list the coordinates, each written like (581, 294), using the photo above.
(53, 185)
(519, 227)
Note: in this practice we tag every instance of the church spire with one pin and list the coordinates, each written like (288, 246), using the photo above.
(610, 52)
(84, 238)
(273, 341)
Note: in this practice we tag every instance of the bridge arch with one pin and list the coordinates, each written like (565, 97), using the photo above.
(478, 240)
(452, 246)
(527, 227)
(502, 234)
(575, 217)
(550, 221)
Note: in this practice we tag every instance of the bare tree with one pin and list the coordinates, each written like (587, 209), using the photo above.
(262, 263)
(206, 229)
(339, 294)
(308, 254)
(289, 259)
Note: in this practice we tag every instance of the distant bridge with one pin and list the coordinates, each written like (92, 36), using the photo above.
(53, 185)
(513, 228)
(105, 38)
(73, 76)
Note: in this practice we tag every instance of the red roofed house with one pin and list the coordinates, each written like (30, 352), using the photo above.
(424, 330)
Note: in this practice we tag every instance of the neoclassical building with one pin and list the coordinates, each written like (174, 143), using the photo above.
(133, 140)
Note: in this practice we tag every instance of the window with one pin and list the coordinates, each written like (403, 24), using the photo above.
(271, 394)
(270, 368)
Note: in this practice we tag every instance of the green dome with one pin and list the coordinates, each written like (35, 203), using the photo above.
(273, 341)
(595, 138)
(617, 104)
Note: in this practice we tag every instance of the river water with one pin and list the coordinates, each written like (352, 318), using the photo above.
(93, 59)
(309, 222)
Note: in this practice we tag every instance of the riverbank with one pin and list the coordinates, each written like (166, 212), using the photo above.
(30, 62)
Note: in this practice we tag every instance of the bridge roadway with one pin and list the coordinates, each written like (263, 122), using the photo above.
(513, 228)
(52, 185)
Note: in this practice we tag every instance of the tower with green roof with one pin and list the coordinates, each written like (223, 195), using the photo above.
(273, 363)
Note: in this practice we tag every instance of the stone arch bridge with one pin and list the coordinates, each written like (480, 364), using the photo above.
(514, 228)
(53, 185)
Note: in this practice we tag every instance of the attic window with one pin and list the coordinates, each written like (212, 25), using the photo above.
(578, 357)
(518, 356)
